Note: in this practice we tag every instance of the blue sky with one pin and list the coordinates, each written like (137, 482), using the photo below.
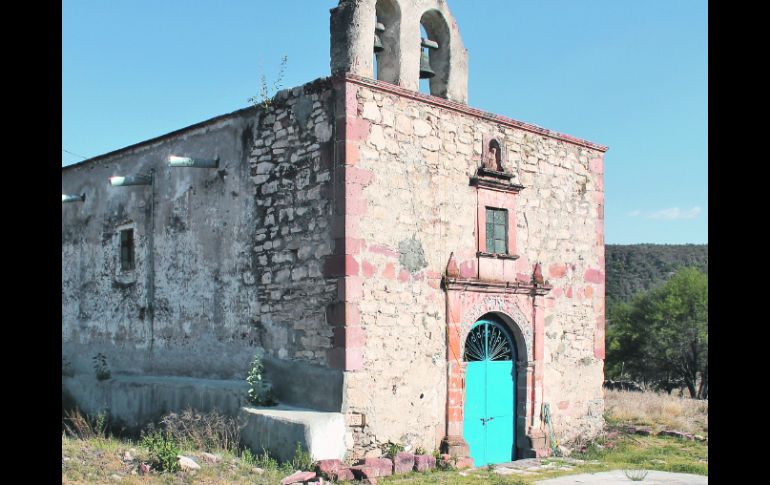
(632, 75)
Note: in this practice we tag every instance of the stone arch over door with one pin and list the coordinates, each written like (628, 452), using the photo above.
(521, 314)
(518, 325)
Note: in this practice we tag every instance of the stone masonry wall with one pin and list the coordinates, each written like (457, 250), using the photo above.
(414, 161)
(292, 169)
(238, 249)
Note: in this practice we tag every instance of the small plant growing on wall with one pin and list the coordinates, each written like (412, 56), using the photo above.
(260, 391)
(101, 368)
(266, 94)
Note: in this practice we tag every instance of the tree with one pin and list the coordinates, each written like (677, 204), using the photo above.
(661, 337)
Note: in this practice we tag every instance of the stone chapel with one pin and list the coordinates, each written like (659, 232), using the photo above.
(412, 270)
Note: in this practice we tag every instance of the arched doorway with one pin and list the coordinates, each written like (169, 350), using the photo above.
(489, 414)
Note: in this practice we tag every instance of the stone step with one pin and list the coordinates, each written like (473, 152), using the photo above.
(278, 429)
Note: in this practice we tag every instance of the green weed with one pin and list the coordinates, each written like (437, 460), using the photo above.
(392, 449)
(302, 459)
(163, 450)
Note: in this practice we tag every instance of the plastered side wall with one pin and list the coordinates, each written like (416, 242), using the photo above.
(238, 250)
(414, 166)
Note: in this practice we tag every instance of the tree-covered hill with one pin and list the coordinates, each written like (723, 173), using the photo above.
(639, 267)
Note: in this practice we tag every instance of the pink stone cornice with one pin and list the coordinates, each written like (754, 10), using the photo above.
(484, 286)
(461, 108)
(485, 183)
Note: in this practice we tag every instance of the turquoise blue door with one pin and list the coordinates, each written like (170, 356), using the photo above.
(488, 413)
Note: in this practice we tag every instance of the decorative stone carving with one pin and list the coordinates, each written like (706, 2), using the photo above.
(498, 304)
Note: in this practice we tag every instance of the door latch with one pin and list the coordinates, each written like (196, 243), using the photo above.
(485, 420)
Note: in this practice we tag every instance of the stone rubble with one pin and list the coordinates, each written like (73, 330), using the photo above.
(210, 458)
(298, 477)
(403, 462)
(424, 463)
(186, 463)
(384, 466)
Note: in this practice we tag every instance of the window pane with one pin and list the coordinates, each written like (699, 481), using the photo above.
(127, 249)
(497, 231)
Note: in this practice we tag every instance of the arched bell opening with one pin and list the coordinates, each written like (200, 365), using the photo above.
(426, 72)
(387, 48)
(435, 52)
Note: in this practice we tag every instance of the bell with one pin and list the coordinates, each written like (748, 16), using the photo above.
(378, 29)
(425, 70)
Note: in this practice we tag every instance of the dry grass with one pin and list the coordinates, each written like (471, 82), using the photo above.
(658, 410)
(91, 454)
(102, 461)
(204, 431)
(80, 426)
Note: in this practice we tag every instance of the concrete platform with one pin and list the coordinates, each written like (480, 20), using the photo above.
(133, 401)
(279, 429)
(617, 477)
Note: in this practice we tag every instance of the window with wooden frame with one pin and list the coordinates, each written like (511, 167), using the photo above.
(497, 230)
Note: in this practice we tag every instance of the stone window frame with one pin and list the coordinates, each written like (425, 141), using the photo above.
(495, 190)
(489, 198)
